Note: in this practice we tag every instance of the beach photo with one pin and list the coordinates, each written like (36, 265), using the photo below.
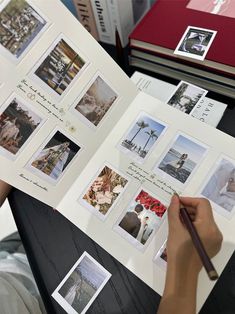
(195, 42)
(17, 123)
(220, 188)
(96, 101)
(59, 68)
(54, 157)
(20, 24)
(141, 220)
(184, 155)
(141, 137)
(104, 191)
(186, 96)
(81, 285)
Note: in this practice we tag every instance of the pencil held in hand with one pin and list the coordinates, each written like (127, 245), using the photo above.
(209, 267)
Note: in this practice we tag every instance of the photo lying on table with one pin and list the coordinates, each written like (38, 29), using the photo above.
(220, 188)
(53, 158)
(96, 102)
(220, 7)
(141, 220)
(81, 285)
(195, 42)
(20, 24)
(104, 192)
(17, 123)
(186, 96)
(161, 257)
(58, 69)
(181, 159)
(141, 137)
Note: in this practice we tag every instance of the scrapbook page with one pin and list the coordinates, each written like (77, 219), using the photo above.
(76, 134)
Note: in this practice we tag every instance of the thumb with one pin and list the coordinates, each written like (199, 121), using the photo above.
(173, 211)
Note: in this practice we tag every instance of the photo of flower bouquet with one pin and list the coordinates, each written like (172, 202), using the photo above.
(104, 190)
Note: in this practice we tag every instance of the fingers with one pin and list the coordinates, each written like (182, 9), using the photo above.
(199, 206)
(173, 210)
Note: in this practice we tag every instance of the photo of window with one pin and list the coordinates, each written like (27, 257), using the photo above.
(60, 67)
(20, 24)
(96, 101)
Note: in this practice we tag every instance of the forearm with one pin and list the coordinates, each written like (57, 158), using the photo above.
(4, 191)
(179, 295)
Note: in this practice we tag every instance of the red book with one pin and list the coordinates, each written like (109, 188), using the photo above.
(162, 28)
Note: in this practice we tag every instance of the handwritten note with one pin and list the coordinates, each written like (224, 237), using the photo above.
(33, 182)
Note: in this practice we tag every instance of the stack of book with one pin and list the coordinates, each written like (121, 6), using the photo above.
(156, 37)
(102, 17)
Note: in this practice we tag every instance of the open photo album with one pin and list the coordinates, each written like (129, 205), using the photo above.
(76, 134)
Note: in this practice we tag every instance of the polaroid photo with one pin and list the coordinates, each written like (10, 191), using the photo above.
(140, 221)
(95, 102)
(18, 123)
(220, 188)
(195, 42)
(104, 192)
(186, 96)
(59, 67)
(160, 258)
(21, 24)
(81, 285)
(141, 137)
(181, 159)
(54, 157)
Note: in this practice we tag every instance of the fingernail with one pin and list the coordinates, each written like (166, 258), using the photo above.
(176, 194)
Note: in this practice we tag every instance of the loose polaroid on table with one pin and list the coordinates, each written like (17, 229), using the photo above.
(180, 160)
(21, 24)
(97, 100)
(53, 157)
(195, 42)
(186, 96)
(142, 136)
(59, 67)
(220, 188)
(104, 191)
(81, 285)
(142, 218)
(161, 257)
(18, 122)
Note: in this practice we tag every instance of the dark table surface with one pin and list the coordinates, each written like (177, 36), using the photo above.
(53, 245)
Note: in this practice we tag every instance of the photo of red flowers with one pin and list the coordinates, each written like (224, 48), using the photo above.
(142, 218)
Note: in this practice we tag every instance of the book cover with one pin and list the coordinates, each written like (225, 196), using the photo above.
(86, 16)
(164, 25)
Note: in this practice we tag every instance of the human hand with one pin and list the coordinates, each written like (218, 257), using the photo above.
(180, 249)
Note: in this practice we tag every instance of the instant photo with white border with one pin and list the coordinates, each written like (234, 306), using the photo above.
(5, 52)
(172, 179)
(192, 55)
(133, 154)
(62, 301)
(216, 187)
(125, 235)
(24, 105)
(35, 156)
(91, 208)
(158, 260)
(42, 59)
(182, 107)
(81, 117)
